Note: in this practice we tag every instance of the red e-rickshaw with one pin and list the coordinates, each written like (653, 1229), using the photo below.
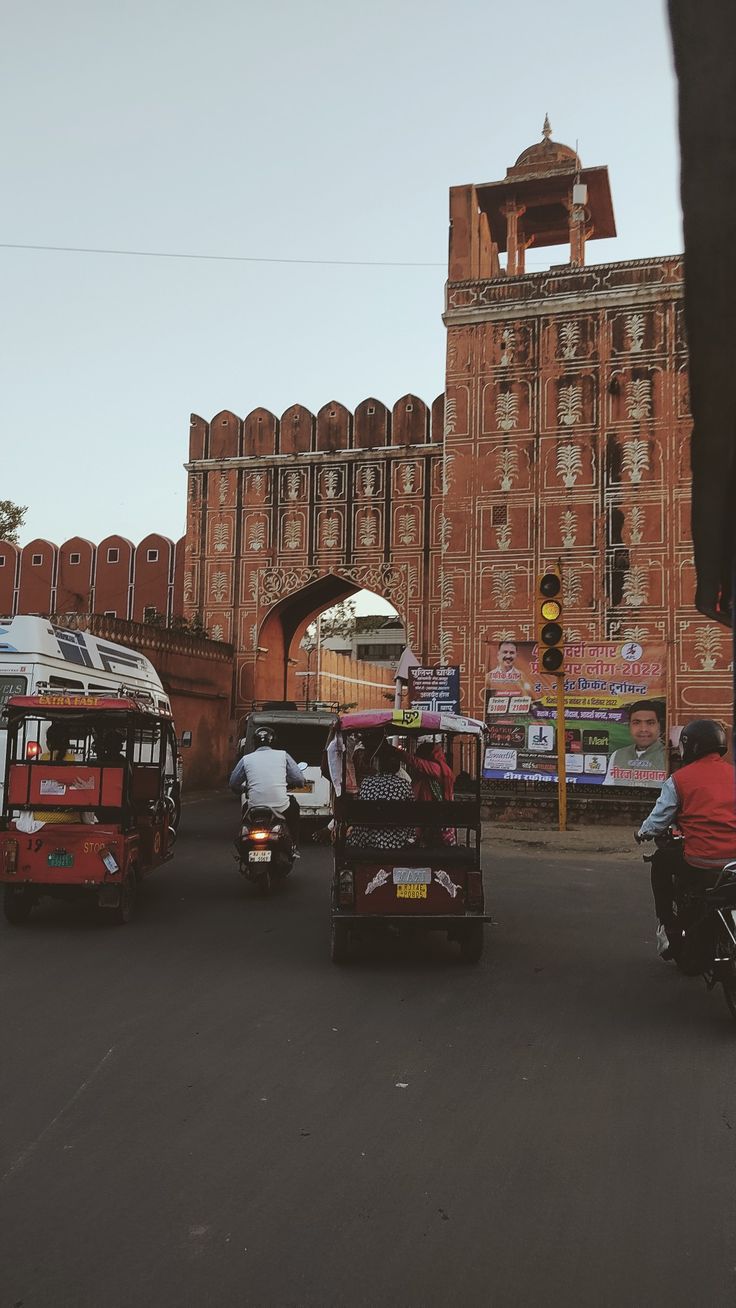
(432, 878)
(89, 805)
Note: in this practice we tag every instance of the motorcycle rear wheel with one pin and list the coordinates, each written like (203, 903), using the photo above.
(727, 974)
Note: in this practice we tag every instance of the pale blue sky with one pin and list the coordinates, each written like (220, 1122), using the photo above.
(321, 131)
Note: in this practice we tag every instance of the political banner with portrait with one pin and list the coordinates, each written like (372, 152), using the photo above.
(615, 715)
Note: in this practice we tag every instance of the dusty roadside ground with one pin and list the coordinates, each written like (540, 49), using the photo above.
(602, 840)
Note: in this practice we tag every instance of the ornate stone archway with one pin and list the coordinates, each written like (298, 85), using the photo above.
(310, 510)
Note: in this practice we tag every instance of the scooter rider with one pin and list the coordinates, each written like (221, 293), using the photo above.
(700, 799)
(263, 776)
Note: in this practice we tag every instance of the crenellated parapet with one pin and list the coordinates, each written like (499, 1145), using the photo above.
(287, 514)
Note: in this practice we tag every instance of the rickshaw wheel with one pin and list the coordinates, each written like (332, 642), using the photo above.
(17, 905)
(126, 908)
(339, 942)
(471, 943)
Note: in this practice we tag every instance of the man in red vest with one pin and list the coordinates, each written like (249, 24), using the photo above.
(699, 799)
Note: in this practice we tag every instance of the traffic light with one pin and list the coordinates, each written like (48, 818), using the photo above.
(550, 634)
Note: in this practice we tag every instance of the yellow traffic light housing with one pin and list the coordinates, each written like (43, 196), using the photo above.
(550, 632)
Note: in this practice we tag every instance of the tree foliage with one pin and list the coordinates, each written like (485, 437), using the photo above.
(337, 621)
(11, 520)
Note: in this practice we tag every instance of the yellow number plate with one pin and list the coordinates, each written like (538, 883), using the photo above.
(411, 892)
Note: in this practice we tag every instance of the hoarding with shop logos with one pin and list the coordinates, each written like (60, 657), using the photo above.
(615, 714)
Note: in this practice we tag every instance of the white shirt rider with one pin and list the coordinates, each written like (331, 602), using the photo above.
(263, 777)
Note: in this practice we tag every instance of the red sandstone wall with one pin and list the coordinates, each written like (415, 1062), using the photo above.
(113, 576)
(9, 567)
(37, 575)
(79, 577)
(272, 541)
(568, 438)
(197, 675)
(75, 572)
(153, 577)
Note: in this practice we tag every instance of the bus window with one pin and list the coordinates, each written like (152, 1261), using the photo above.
(10, 686)
(66, 683)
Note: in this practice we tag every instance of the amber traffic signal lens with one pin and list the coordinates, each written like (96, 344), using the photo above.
(551, 633)
(550, 585)
(552, 660)
(550, 610)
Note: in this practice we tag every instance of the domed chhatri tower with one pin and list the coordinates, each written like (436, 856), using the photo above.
(546, 198)
(567, 430)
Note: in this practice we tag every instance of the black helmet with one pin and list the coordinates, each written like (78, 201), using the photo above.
(704, 736)
(263, 736)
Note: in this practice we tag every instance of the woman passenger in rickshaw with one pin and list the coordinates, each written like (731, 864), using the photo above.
(383, 784)
(432, 779)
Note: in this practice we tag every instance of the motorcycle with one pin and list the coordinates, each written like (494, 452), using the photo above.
(705, 922)
(265, 848)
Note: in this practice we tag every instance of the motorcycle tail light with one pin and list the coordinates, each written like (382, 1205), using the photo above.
(346, 889)
(259, 834)
(10, 856)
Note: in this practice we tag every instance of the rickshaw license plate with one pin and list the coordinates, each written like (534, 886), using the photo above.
(60, 858)
(413, 876)
(259, 856)
(408, 891)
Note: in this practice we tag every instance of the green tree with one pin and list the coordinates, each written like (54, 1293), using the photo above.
(11, 520)
(337, 621)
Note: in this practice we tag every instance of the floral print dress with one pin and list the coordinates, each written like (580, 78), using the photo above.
(382, 787)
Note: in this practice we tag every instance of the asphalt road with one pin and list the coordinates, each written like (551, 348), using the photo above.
(200, 1109)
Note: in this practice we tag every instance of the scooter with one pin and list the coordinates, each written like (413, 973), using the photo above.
(265, 849)
(706, 920)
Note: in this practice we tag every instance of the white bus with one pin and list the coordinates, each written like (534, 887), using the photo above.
(35, 654)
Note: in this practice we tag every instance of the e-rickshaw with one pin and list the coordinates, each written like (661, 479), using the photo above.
(433, 880)
(88, 807)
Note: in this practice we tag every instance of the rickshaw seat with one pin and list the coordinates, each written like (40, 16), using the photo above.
(53, 785)
(417, 813)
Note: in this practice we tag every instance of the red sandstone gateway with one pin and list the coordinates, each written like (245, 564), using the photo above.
(88, 807)
(411, 861)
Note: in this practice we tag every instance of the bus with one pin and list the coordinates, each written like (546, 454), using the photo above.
(37, 655)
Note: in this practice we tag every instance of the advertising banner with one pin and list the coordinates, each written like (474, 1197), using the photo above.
(435, 689)
(615, 714)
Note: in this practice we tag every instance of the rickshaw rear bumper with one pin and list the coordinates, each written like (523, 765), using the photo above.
(439, 920)
(63, 855)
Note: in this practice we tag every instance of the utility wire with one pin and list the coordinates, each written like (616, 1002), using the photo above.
(221, 258)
